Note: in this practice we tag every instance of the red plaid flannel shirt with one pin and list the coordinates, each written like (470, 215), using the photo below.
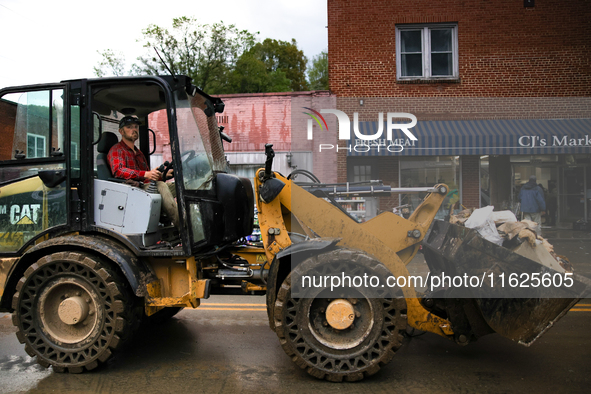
(126, 163)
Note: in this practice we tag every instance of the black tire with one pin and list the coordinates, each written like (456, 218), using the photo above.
(72, 311)
(340, 354)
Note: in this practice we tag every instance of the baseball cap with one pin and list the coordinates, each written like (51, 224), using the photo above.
(127, 120)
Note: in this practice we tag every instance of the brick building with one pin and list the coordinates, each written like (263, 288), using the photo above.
(255, 119)
(501, 91)
(7, 122)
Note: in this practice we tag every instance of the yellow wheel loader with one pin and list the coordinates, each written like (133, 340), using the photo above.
(86, 259)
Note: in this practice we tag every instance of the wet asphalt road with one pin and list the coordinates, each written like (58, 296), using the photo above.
(227, 346)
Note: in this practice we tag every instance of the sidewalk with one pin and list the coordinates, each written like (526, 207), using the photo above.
(575, 245)
(559, 233)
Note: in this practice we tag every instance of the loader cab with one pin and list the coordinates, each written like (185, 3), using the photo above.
(55, 177)
(178, 127)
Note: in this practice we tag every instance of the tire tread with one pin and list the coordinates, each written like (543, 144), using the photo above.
(284, 295)
(124, 306)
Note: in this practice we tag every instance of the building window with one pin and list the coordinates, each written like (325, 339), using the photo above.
(361, 173)
(428, 52)
(362, 169)
(485, 197)
(35, 146)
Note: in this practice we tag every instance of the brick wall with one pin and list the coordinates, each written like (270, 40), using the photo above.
(388, 172)
(253, 120)
(324, 162)
(256, 119)
(469, 108)
(158, 122)
(342, 161)
(7, 124)
(505, 50)
(514, 63)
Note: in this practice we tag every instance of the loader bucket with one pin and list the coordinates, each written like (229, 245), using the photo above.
(499, 294)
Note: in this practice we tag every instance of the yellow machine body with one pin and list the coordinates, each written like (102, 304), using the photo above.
(391, 239)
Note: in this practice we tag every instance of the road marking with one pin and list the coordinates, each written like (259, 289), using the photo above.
(205, 307)
(233, 309)
(217, 304)
(262, 307)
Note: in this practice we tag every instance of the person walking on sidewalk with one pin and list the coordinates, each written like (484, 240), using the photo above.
(532, 201)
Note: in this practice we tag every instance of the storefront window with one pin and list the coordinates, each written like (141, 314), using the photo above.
(588, 192)
(429, 171)
(572, 188)
(362, 169)
(485, 196)
(565, 180)
(545, 168)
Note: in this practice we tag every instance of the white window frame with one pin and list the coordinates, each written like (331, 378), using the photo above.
(426, 51)
(37, 139)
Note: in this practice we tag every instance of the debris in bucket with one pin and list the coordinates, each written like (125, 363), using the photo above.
(503, 228)
(461, 217)
(525, 229)
(482, 221)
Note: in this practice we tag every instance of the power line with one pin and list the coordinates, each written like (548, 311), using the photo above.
(19, 14)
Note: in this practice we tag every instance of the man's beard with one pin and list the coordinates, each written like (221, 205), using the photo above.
(133, 137)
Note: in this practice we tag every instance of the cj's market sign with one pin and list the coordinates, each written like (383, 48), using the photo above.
(537, 141)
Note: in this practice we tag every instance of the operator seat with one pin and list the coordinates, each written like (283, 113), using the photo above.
(105, 144)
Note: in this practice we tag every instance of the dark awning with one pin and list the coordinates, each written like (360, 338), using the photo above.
(481, 137)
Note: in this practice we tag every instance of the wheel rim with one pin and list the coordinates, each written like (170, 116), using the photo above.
(49, 336)
(328, 347)
(68, 310)
(340, 313)
(340, 332)
(332, 350)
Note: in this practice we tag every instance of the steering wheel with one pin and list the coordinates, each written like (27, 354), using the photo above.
(165, 167)
(190, 153)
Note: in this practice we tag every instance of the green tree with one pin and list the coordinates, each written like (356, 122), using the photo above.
(111, 64)
(318, 72)
(252, 76)
(206, 53)
(219, 58)
(282, 56)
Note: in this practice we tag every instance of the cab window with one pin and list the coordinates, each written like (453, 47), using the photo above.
(32, 125)
(33, 191)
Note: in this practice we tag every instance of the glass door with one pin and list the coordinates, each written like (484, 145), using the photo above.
(588, 193)
(547, 177)
(572, 194)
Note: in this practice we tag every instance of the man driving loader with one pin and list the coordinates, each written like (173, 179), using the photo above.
(128, 162)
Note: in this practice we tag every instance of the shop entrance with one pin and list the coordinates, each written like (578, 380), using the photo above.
(565, 180)
(574, 193)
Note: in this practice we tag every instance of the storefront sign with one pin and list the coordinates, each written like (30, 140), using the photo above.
(486, 137)
(535, 140)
